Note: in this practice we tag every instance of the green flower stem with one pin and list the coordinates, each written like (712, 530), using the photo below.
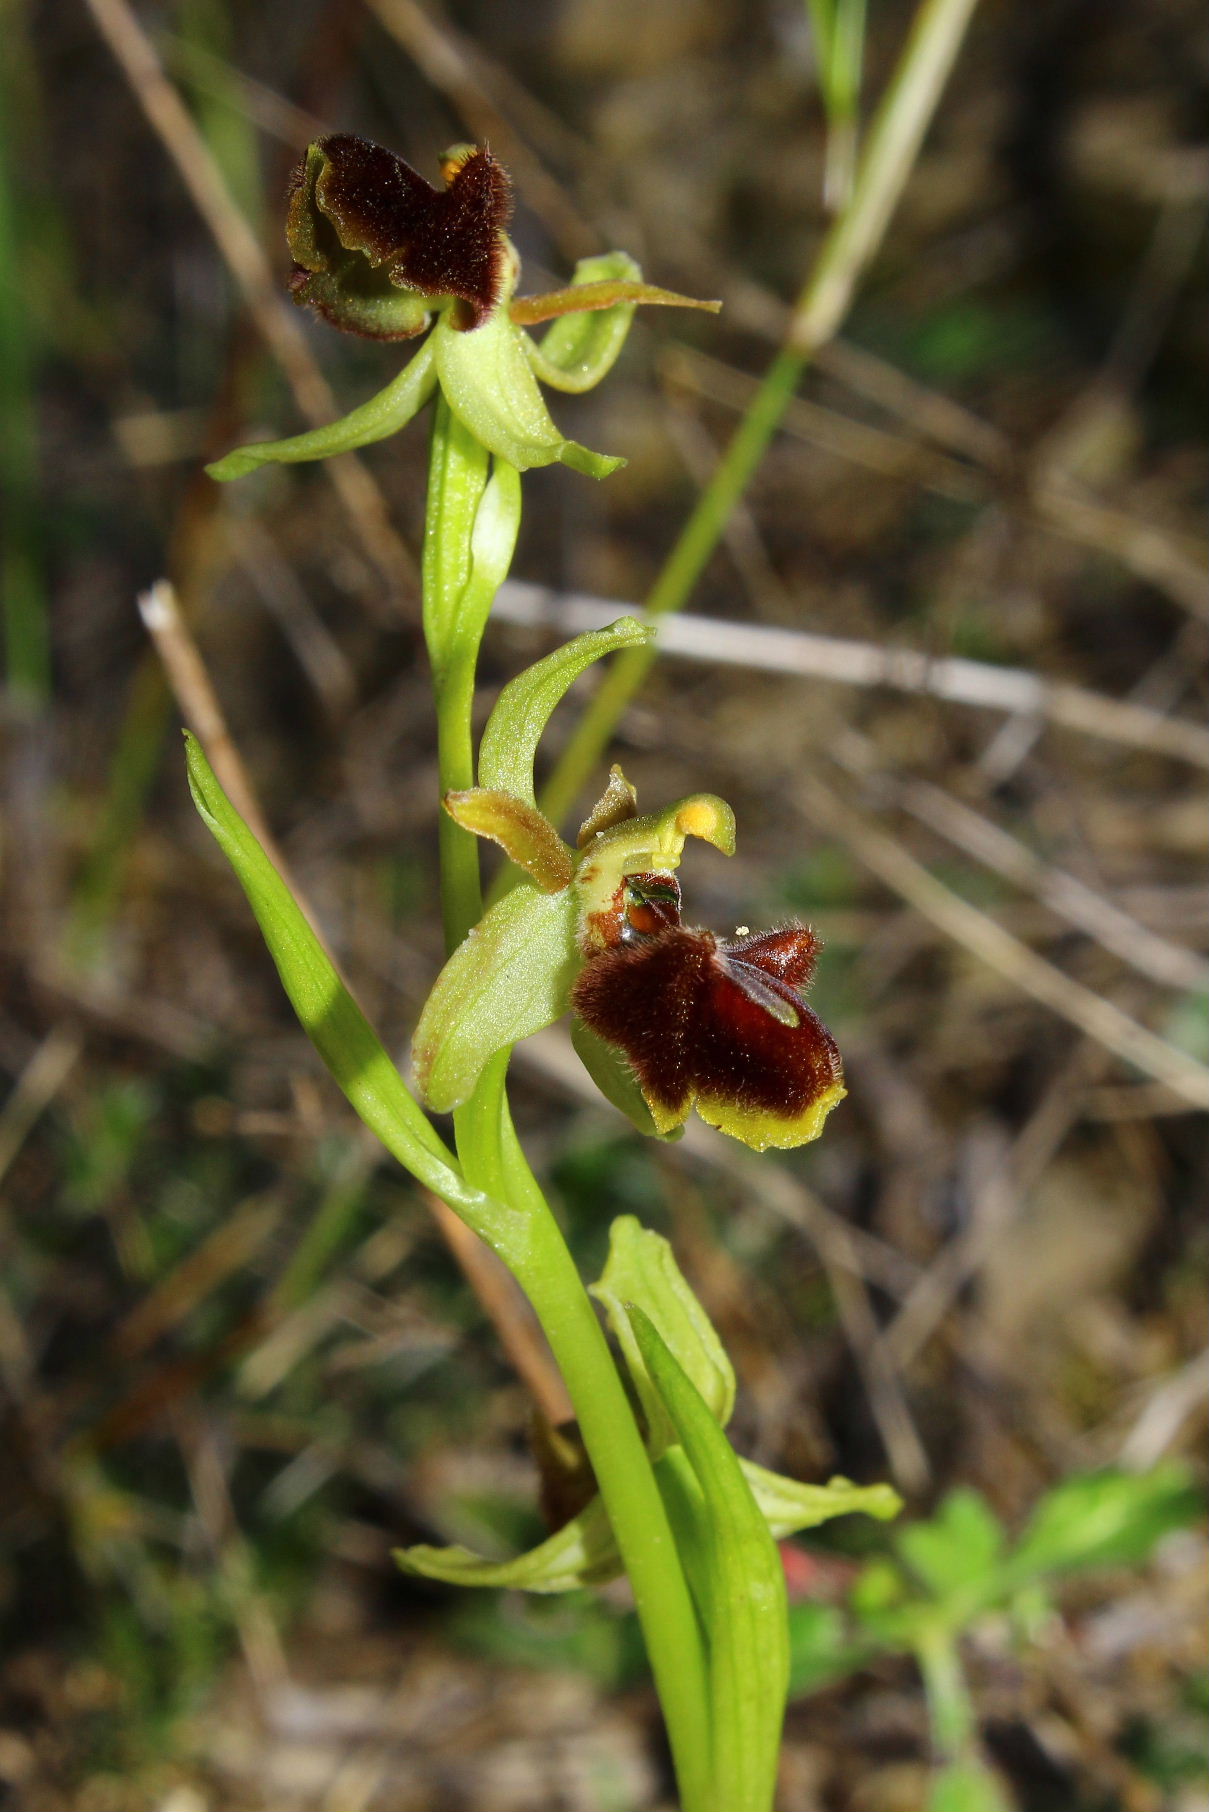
(902, 118)
(949, 1708)
(543, 1266)
(491, 1157)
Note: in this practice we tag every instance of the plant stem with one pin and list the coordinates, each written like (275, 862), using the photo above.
(949, 1708)
(895, 136)
(492, 1159)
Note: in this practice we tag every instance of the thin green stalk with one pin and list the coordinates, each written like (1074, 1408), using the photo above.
(895, 137)
(542, 1264)
(949, 1708)
(492, 1160)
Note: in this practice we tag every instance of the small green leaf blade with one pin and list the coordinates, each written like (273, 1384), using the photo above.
(958, 1549)
(510, 977)
(788, 1506)
(525, 706)
(327, 1011)
(747, 1629)
(384, 414)
(488, 383)
(641, 1271)
(582, 1553)
(1104, 1519)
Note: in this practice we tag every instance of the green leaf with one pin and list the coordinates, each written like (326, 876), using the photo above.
(1105, 1519)
(384, 414)
(529, 840)
(641, 1271)
(788, 1506)
(582, 1553)
(331, 1017)
(580, 349)
(746, 1625)
(525, 706)
(966, 1786)
(961, 1547)
(510, 977)
(489, 384)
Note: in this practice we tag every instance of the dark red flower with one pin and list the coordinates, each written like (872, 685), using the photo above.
(716, 1024)
(351, 200)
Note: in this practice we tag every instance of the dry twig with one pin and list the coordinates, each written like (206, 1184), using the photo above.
(790, 651)
(1098, 1018)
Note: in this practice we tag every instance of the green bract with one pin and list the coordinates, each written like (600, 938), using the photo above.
(642, 1278)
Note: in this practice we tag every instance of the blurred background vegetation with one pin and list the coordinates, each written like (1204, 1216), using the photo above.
(238, 1362)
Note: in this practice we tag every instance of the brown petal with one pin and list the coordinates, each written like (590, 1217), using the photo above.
(746, 1050)
(439, 242)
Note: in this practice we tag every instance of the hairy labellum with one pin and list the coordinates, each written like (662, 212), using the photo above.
(373, 242)
(716, 1025)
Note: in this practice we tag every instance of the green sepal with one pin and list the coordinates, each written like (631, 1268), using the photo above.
(510, 977)
(489, 384)
(641, 1271)
(582, 1553)
(384, 414)
(616, 1080)
(744, 1597)
(525, 706)
(356, 298)
(528, 838)
(331, 1017)
(581, 348)
(788, 1507)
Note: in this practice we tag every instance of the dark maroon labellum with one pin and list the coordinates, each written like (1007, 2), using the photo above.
(717, 1025)
(351, 196)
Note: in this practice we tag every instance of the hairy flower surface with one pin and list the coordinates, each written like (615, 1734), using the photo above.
(712, 1024)
(364, 226)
